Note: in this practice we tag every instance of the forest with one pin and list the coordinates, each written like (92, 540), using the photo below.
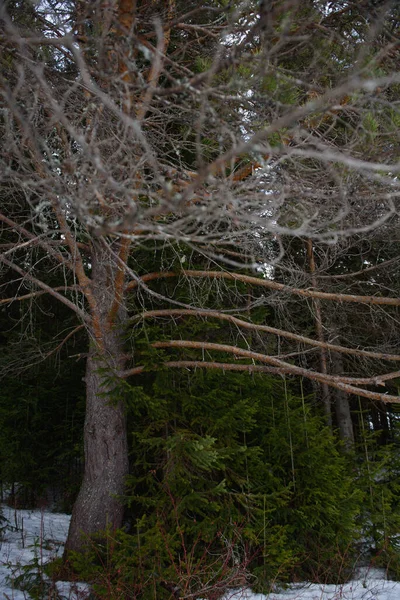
(199, 288)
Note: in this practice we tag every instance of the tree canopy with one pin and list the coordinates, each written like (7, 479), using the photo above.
(200, 187)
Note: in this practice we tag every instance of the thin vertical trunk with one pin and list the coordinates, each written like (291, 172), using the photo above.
(326, 395)
(98, 504)
(342, 406)
(384, 420)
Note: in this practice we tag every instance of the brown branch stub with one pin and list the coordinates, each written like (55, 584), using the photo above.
(126, 16)
(164, 35)
(119, 280)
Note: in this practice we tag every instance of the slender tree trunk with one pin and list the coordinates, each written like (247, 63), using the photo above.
(342, 406)
(98, 504)
(384, 419)
(326, 394)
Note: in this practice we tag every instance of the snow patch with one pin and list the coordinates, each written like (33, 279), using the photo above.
(34, 535)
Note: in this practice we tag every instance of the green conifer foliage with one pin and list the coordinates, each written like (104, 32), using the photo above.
(235, 476)
(378, 477)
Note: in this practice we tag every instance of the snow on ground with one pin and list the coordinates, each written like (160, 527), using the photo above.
(36, 536)
(372, 587)
(33, 536)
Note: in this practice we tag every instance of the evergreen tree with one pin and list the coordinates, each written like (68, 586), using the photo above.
(125, 130)
(234, 480)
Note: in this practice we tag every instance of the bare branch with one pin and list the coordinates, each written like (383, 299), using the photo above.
(82, 315)
(72, 288)
(342, 383)
(272, 285)
(370, 269)
(203, 364)
(173, 312)
(38, 240)
(64, 341)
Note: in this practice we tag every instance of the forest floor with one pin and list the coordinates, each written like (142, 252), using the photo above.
(32, 538)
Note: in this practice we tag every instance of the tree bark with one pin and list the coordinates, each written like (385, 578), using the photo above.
(342, 406)
(98, 505)
(344, 421)
(385, 424)
(325, 391)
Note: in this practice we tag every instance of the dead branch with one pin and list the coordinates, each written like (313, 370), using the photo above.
(173, 312)
(72, 288)
(347, 384)
(46, 288)
(272, 285)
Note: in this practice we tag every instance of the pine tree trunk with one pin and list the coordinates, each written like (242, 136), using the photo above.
(325, 391)
(384, 420)
(342, 406)
(98, 504)
(106, 462)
